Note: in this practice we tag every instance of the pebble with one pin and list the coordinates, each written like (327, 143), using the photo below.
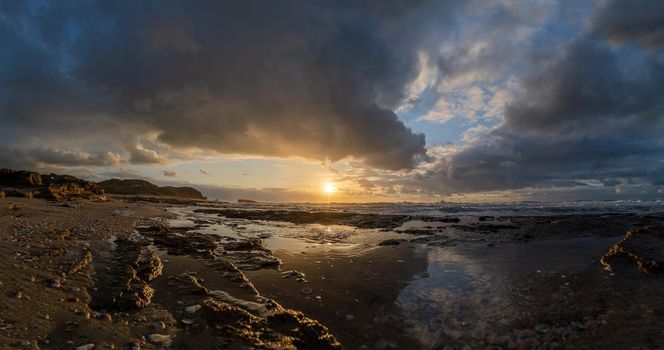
(306, 290)
(384, 344)
(381, 344)
(19, 295)
(161, 339)
(292, 273)
(159, 326)
(55, 282)
(25, 343)
(192, 309)
(542, 328)
(187, 321)
(350, 317)
(453, 334)
(86, 347)
(105, 317)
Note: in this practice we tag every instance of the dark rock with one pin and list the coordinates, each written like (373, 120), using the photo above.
(246, 201)
(188, 283)
(439, 219)
(62, 191)
(19, 178)
(232, 273)
(59, 187)
(123, 284)
(253, 260)
(248, 244)
(290, 328)
(293, 273)
(485, 227)
(255, 323)
(391, 242)
(81, 263)
(418, 232)
(149, 266)
(317, 217)
(644, 246)
(191, 243)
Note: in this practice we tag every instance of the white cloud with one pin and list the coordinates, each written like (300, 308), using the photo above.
(476, 101)
(138, 154)
(426, 78)
(475, 133)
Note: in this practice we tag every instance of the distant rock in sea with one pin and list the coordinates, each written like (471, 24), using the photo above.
(144, 188)
(246, 201)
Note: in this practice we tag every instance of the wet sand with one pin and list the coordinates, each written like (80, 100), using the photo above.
(133, 274)
(45, 276)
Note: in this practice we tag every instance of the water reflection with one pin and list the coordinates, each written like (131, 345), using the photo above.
(512, 296)
(467, 293)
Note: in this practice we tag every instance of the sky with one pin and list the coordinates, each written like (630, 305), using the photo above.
(389, 100)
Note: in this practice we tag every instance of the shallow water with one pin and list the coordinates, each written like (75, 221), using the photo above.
(470, 285)
(417, 296)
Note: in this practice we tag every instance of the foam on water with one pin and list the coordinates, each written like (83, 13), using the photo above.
(494, 209)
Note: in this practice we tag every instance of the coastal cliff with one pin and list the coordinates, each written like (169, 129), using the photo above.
(145, 188)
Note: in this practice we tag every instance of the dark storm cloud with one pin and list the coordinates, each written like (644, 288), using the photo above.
(641, 21)
(656, 175)
(593, 112)
(69, 158)
(517, 161)
(591, 85)
(277, 78)
(611, 182)
(46, 155)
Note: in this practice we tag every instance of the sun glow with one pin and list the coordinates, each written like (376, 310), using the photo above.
(329, 188)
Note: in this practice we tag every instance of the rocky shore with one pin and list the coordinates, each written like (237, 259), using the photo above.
(81, 271)
(28, 184)
(83, 277)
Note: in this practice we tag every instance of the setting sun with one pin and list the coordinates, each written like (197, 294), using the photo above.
(329, 188)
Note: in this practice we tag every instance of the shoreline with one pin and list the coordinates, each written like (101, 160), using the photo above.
(359, 274)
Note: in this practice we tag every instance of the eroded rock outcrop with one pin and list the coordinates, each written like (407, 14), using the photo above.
(247, 254)
(122, 284)
(359, 220)
(28, 184)
(644, 246)
(260, 323)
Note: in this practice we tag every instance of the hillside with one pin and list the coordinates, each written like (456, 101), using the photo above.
(145, 188)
